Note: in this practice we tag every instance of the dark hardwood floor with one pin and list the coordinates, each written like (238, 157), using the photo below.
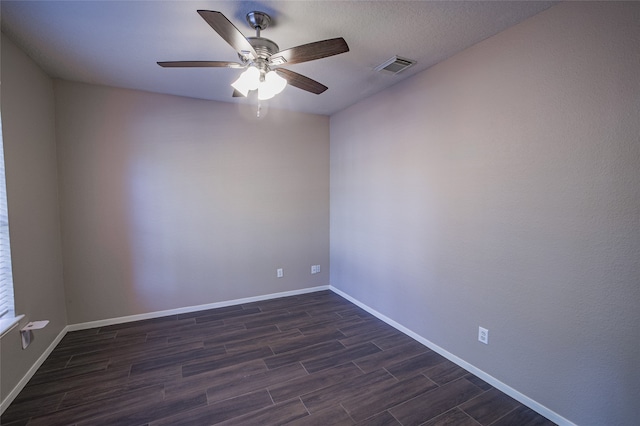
(314, 359)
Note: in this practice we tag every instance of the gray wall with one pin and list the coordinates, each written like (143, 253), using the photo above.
(170, 202)
(34, 220)
(165, 202)
(501, 188)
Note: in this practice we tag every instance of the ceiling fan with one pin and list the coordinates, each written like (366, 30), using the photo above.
(262, 58)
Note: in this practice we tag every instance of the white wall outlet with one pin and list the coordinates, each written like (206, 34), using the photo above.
(483, 335)
(279, 273)
(315, 269)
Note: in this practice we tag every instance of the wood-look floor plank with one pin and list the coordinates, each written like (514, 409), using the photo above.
(384, 396)
(260, 380)
(489, 407)
(415, 365)
(381, 419)
(68, 373)
(148, 411)
(188, 355)
(322, 309)
(22, 408)
(199, 332)
(453, 417)
(304, 341)
(62, 386)
(327, 325)
(308, 383)
(219, 411)
(105, 389)
(262, 341)
(366, 326)
(238, 335)
(338, 357)
(428, 405)
(81, 339)
(478, 382)
(140, 353)
(353, 313)
(306, 321)
(334, 416)
(98, 347)
(319, 306)
(386, 358)
(523, 416)
(278, 414)
(258, 318)
(191, 368)
(54, 363)
(89, 412)
(159, 375)
(335, 394)
(222, 376)
(302, 354)
(367, 336)
(22, 422)
(445, 372)
(282, 318)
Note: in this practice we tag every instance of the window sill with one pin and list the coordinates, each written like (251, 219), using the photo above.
(7, 324)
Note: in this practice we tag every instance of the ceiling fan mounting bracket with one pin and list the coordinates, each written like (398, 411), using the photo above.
(258, 20)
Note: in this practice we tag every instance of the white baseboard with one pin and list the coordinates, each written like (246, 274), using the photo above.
(188, 309)
(23, 382)
(551, 415)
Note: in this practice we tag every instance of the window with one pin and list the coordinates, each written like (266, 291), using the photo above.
(6, 277)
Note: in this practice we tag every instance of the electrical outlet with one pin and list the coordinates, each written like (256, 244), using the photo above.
(483, 335)
(315, 269)
(279, 273)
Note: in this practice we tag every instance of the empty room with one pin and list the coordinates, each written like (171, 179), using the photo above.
(320, 213)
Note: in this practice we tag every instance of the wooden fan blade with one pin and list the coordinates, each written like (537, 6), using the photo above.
(200, 64)
(311, 51)
(228, 32)
(301, 82)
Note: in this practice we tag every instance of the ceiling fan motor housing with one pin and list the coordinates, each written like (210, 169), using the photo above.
(263, 47)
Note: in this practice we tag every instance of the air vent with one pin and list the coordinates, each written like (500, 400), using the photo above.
(395, 65)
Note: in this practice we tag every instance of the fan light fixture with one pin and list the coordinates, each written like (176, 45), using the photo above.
(268, 84)
(258, 54)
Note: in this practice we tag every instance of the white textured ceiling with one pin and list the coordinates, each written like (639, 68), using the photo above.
(117, 43)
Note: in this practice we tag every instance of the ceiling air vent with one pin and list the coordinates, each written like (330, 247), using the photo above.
(395, 65)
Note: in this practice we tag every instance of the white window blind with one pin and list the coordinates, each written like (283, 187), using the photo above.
(6, 277)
